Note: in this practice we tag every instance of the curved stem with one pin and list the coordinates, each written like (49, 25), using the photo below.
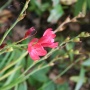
(21, 16)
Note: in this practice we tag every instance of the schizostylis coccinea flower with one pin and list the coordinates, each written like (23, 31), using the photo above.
(36, 46)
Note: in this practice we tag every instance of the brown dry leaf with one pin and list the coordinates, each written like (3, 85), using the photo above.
(54, 74)
(74, 26)
(60, 80)
(18, 32)
(4, 16)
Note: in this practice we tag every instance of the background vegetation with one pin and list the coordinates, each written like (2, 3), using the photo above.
(65, 68)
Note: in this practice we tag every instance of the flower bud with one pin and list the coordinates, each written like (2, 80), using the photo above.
(65, 56)
(76, 39)
(87, 34)
(51, 64)
(76, 52)
(67, 39)
(82, 34)
(10, 49)
(71, 51)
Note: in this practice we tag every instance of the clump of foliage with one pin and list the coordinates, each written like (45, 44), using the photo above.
(52, 72)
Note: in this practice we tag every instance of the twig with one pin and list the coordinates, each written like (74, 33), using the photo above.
(68, 20)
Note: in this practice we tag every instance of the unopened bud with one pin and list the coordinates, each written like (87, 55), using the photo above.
(71, 51)
(87, 34)
(82, 34)
(51, 64)
(76, 52)
(65, 56)
(10, 49)
(67, 39)
(76, 39)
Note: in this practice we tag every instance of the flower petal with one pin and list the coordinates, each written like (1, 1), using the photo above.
(45, 39)
(33, 41)
(51, 45)
(40, 50)
(36, 46)
(34, 55)
(48, 31)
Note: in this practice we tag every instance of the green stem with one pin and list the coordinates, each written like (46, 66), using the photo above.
(27, 76)
(45, 57)
(13, 63)
(62, 72)
(21, 79)
(10, 72)
(21, 16)
(67, 69)
(5, 5)
(34, 63)
(7, 31)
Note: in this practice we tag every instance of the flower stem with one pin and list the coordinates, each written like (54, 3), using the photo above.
(71, 65)
(21, 16)
(63, 72)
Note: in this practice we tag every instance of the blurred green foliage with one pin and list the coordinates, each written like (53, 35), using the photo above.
(56, 8)
(14, 63)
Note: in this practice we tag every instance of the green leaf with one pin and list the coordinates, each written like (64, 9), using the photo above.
(55, 14)
(40, 75)
(48, 86)
(44, 6)
(9, 73)
(86, 63)
(59, 52)
(12, 84)
(55, 2)
(76, 78)
(4, 60)
(29, 61)
(63, 86)
(33, 81)
(22, 86)
(80, 6)
(38, 7)
(81, 79)
(14, 75)
(70, 45)
(88, 4)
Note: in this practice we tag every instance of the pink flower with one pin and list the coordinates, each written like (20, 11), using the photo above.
(47, 40)
(36, 49)
(36, 46)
